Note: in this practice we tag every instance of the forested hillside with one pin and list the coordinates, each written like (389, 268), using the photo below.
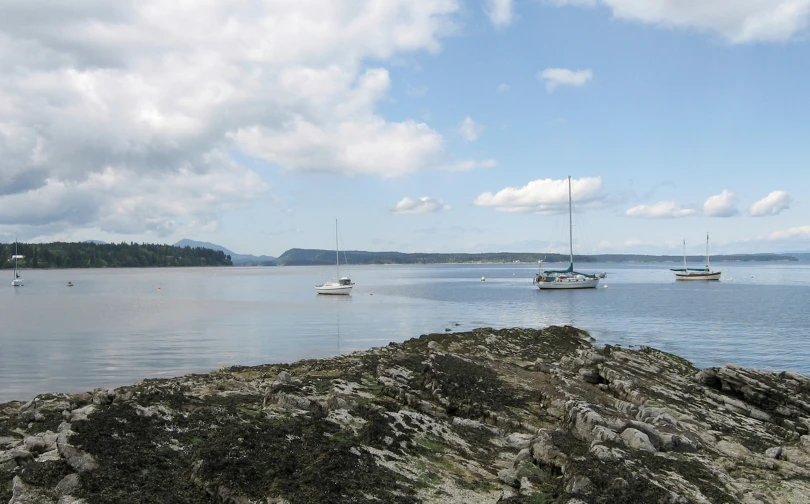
(109, 255)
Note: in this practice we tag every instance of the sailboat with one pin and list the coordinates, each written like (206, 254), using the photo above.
(567, 278)
(344, 284)
(696, 273)
(16, 281)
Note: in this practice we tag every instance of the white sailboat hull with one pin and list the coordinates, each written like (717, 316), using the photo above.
(568, 283)
(17, 282)
(698, 276)
(333, 288)
(343, 285)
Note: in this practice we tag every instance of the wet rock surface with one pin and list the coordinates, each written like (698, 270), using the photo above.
(512, 415)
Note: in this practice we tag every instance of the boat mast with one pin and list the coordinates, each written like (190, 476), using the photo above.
(337, 253)
(684, 255)
(707, 252)
(570, 225)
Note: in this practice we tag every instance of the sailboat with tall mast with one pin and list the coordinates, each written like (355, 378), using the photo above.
(343, 285)
(567, 278)
(17, 281)
(687, 273)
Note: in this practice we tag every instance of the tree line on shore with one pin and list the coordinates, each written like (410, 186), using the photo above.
(109, 255)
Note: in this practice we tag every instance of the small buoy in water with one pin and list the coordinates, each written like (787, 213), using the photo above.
(483, 279)
(370, 293)
(159, 287)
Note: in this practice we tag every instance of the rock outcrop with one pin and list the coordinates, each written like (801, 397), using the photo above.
(512, 415)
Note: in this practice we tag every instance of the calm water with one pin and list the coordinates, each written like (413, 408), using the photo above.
(116, 327)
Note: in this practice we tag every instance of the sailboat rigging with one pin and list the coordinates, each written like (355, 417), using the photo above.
(567, 278)
(343, 285)
(687, 273)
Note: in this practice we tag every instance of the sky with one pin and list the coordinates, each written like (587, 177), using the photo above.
(419, 125)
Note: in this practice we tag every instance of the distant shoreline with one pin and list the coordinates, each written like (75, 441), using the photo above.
(133, 255)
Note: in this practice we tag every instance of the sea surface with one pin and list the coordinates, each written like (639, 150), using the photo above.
(118, 326)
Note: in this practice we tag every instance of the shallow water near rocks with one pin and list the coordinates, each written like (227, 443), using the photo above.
(118, 326)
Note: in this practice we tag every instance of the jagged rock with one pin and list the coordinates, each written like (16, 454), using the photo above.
(589, 375)
(774, 452)
(510, 477)
(68, 485)
(79, 460)
(28, 494)
(509, 414)
(637, 440)
(578, 484)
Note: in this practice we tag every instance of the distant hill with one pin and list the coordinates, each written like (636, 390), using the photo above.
(109, 255)
(236, 259)
(97, 242)
(310, 257)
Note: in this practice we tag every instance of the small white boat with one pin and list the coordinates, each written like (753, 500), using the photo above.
(344, 284)
(567, 278)
(700, 274)
(17, 281)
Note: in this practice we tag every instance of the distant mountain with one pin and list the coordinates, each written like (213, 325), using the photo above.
(236, 259)
(802, 256)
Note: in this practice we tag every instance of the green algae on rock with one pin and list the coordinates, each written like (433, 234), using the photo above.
(509, 415)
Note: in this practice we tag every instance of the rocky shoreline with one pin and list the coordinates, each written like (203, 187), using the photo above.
(486, 416)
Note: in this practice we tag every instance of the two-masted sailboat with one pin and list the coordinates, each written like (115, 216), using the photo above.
(706, 273)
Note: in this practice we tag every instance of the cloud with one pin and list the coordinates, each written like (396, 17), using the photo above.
(661, 210)
(738, 21)
(500, 12)
(470, 129)
(545, 196)
(795, 232)
(421, 205)
(148, 95)
(772, 204)
(555, 77)
(469, 165)
(121, 201)
(503, 88)
(721, 205)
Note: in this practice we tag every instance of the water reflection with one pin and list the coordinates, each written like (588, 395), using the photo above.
(114, 327)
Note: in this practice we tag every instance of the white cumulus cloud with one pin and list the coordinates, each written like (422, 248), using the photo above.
(772, 204)
(150, 96)
(556, 77)
(661, 210)
(545, 196)
(738, 21)
(421, 205)
(469, 129)
(721, 205)
(500, 12)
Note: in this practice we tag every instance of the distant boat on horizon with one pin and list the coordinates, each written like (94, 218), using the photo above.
(17, 281)
(687, 274)
(341, 286)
